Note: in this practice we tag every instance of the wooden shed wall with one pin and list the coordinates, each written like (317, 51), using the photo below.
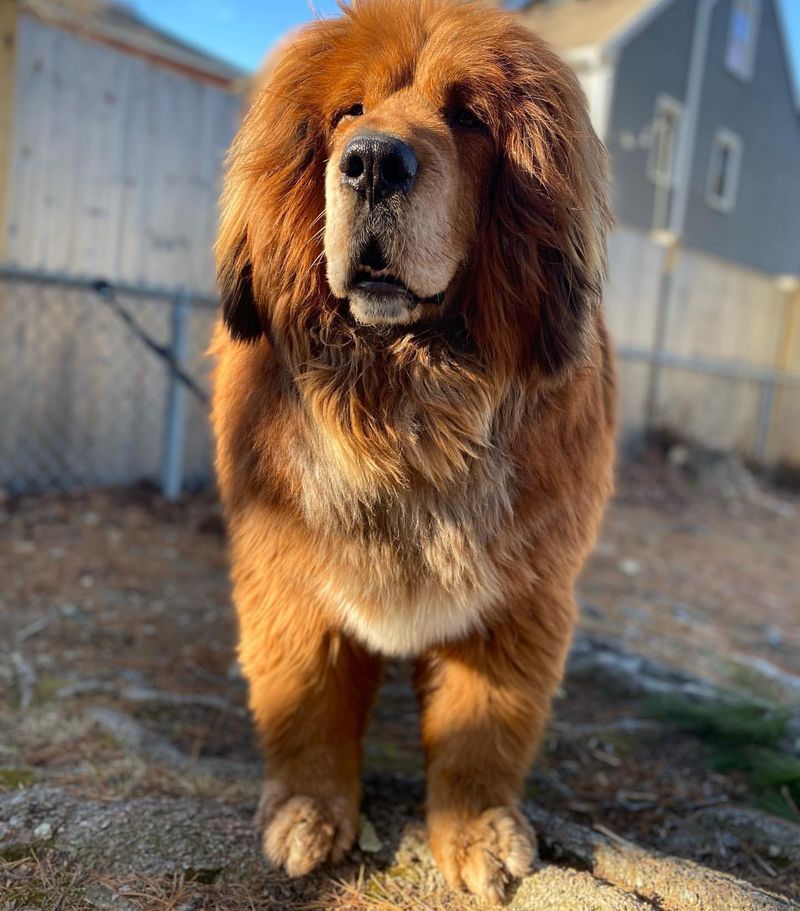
(115, 163)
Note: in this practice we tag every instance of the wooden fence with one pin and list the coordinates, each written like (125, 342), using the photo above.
(707, 349)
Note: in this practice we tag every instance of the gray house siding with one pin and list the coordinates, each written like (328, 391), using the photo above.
(656, 62)
(763, 231)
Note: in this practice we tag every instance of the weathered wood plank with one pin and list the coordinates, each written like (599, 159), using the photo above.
(115, 162)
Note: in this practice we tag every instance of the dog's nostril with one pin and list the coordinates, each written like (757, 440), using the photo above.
(354, 166)
(394, 170)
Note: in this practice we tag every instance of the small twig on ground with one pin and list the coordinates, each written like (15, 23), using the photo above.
(26, 679)
(689, 805)
(148, 695)
(790, 802)
(134, 736)
(594, 729)
(202, 700)
(770, 672)
(32, 629)
(767, 868)
(598, 827)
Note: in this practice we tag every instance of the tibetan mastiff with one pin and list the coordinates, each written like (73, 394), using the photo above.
(414, 411)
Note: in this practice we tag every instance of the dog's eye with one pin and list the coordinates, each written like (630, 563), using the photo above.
(355, 110)
(466, 119)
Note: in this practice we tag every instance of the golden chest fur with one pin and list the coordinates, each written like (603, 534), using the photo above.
(412, 527)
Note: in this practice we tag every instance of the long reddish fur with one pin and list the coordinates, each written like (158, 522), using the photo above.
(538, 358)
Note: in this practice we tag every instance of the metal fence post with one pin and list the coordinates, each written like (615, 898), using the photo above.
(666, 290)
(175, 417)
(766, 407)
(772, 400)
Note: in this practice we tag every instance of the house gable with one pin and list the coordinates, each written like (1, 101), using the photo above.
(570, 25)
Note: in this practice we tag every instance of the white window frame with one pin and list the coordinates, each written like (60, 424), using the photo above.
(744, 71)
(725, 139)
(670, 105)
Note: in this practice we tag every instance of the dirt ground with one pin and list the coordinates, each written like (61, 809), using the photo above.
(115, 611)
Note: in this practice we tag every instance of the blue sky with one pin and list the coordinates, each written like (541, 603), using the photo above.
(241, 31)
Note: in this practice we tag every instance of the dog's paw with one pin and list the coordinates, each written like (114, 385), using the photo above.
(484, 854)
(300, 832)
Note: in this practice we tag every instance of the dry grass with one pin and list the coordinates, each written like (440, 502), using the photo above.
(34, 882)
(409, 889)
(37, 883)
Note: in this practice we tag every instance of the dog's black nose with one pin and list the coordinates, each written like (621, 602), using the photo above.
(377, 165)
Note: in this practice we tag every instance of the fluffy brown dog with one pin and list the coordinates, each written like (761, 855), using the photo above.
(414, 411)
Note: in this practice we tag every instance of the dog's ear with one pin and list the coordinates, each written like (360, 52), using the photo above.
(269, 253)
(550, 212)
(237, 298)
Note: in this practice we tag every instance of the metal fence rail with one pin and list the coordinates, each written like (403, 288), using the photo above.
(101, 385)
(104, 385)
(768, 379)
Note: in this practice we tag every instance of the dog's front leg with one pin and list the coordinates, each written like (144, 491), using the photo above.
(485, 704)
(310, 692)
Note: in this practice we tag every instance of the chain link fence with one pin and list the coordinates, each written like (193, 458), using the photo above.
(101, 386)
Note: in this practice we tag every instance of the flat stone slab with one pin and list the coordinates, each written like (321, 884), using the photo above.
(208, 840)
(202, 839)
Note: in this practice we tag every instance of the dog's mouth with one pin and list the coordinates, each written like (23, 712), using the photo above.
(381, 283)
(378, 296)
